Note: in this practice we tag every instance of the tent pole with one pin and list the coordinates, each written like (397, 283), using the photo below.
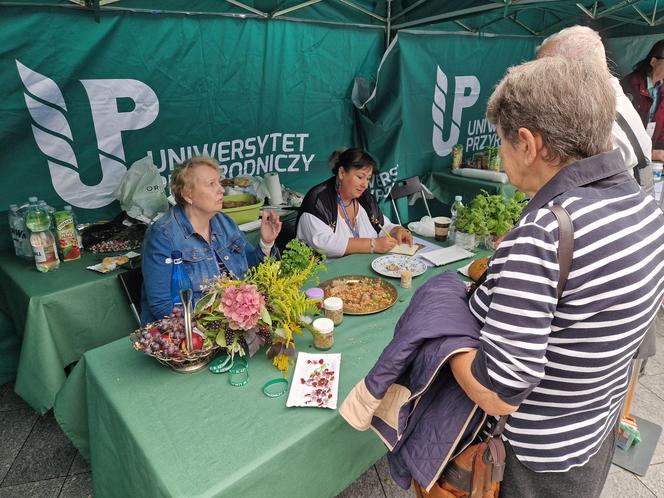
(615, 8)
(464, 26)
(247, 7)
(513, 18)
(362, 9)
(388, 25)
(294, 7)
(408, 9)
(654, 11)
(645, 17)
(451, 16)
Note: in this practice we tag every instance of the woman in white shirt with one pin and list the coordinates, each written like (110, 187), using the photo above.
(340, 216)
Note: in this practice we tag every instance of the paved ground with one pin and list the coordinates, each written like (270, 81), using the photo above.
(37, 459)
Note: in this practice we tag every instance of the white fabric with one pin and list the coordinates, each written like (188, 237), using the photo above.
(317, 234)
(626, 109)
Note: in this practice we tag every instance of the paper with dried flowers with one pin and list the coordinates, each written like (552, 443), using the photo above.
(315, 381)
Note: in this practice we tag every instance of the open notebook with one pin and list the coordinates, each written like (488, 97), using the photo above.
(406, 249)
(446, 255)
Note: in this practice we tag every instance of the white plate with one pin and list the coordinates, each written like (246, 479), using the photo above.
(464, 270)
(309, 370)
(384, 265)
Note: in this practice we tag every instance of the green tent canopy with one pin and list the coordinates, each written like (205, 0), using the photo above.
(527, 17)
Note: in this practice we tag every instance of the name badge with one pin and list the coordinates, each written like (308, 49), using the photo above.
(650, 129)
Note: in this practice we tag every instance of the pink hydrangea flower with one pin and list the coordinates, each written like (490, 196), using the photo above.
(241, 305)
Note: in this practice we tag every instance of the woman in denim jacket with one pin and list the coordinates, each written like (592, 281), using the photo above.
(211, 243)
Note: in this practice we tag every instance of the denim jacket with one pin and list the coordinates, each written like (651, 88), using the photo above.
(173, 231)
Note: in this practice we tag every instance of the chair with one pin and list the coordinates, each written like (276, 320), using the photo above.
(404, 188)
(288, 232)
(132, 281)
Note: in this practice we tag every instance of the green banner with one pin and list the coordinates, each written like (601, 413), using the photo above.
(431, 94)
(624, 53)
(81, 101)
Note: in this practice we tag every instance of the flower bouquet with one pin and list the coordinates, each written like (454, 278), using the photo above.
(266, 307)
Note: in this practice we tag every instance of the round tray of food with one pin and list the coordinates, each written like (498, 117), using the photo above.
(361, 294)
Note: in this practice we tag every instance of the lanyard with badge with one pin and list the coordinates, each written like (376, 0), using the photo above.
(353, 228)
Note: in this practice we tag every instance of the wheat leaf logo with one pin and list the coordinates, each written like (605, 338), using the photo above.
(53, 136)
(441, 146)
(467, 91)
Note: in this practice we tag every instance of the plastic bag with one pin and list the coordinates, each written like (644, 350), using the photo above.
(425, 227)
(141, 192)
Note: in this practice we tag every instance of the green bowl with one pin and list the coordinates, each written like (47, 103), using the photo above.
(243, 214)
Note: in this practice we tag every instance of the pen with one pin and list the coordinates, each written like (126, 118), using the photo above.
(386, 232)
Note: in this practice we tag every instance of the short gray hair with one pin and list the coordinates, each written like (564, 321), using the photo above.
(576, 42)
(566, 101)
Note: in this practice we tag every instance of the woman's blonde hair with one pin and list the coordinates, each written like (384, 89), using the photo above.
(181, 179)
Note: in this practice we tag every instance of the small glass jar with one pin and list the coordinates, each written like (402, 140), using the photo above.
(317, 294)
(324, 333)
(334, 309)
(406, 279)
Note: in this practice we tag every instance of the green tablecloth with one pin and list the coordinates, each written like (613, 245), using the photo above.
(9, 349)
(444, 186)
(57, 317)
(150, 431)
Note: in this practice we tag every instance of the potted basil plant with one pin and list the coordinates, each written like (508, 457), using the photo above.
(501, 215)
(470, 226)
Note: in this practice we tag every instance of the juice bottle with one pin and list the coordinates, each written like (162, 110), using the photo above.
(66, 234)
(42, 240)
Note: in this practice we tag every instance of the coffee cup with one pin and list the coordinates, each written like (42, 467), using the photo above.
(442, 227)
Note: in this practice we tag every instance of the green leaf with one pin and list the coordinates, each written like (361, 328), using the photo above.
(204, 301)
(221, 339)
(265, 316)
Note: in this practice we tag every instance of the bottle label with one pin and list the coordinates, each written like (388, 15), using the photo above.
(40, 254)
(45, 254)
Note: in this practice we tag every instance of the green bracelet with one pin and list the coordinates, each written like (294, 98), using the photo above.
(238, 375)
(221, 364)
(274, 393)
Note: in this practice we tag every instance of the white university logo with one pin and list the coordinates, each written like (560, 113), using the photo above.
(461, 101)
(54, 137)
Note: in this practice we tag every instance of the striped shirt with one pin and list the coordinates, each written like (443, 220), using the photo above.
(566, 362)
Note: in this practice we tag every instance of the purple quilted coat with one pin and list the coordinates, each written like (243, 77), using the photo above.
(409, 397)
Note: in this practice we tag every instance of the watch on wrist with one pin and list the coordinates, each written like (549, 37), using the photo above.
(372, 245)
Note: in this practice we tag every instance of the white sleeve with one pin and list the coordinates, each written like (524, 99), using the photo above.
(620, 140)
(317, 234)
(389, 226)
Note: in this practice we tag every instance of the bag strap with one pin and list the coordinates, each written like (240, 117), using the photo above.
(640, 156)
(565, 244)
(565, 254)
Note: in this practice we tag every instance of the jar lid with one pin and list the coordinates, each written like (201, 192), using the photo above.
(314, 293)
(323, 325)
(333, 303)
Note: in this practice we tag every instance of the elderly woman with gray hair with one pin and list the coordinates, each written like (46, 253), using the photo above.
(560, 366)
